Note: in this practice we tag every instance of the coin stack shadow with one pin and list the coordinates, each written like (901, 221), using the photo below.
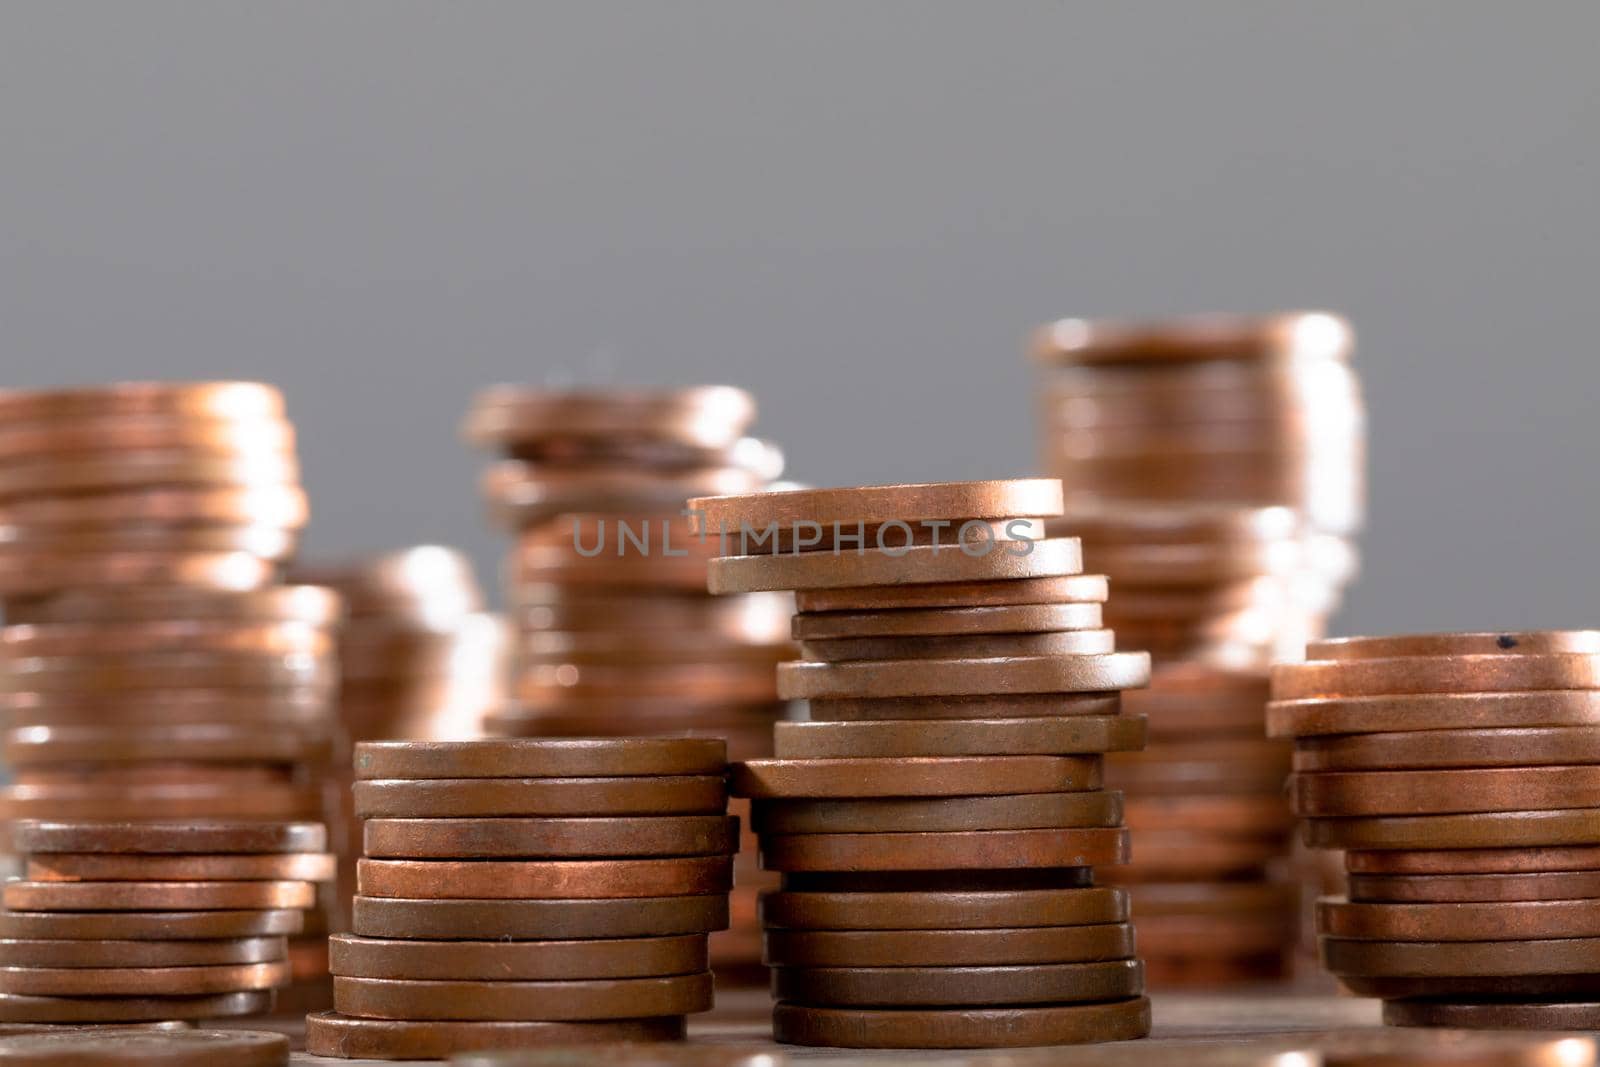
(1457, 770)
(615, 633)
(1214, 468)
(937, 820)
(134, 922)
(525, 892)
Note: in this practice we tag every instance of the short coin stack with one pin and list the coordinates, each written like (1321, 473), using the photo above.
(937, 820)
(1458, 771)
(129, 922)
(530, 892)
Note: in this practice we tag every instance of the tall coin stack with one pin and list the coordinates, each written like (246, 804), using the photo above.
(937, 819)
(528, 892)
(615, 633)
(1458, 770)
(1215, 474)
(133, 922)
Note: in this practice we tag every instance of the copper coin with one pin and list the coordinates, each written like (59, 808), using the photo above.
(940, 596)
(980, 706)
(95, 954)
(474, 797)
(540, 758)
(689, 835)
(1503, 829)
(176, 1048)
(132, 433)
(38, 576)
(1243, 935)
(1496, 1015)
(157, 670)
(208, 836)
(1214, 814)
(636, 957)
(935, 910)
(707, 416)
(1497, 920)
(98, 867)
(156, 801)
(306, 604)
(1500, 986)
(158, 896)
(1547, 885)
(149, 926)
(262, 505)
(231, 400)
(1526, 747)
(76, 639)
(612, 998)
(1058, 643)
(1198, 341)
(1357, 793)
(882, 504)
(121, 1009)
(31, 746)
(141, 981)
(1019, 1027)
(55, 475)
(963, 677)
(1416, 959)
(1475, 860)
(889, 987)
(948, 948)
(1004, 619)
(302, 707)
(981, 849)
(1434, 674)
(542, 879)
(913, 565)
(1457, 644)
(957, 737)
(348, 1037)
(1023, 811)
(537, 920)
(912, 777)
(940, 881)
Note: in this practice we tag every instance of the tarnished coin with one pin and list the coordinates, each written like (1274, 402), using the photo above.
(158, 896)
(912, 777)
(915, 987)
(1400, 675)
(99, 954)
(475, 797)
(20, 1008)
(963, 677)
(348, 1037)
(961, 646)
(980, 850)
(1418, 959)
(637, 957)
(141, 981)
(943, 910)
(1441, 749)
(878, 504)
(1498, 1015)
(976, 706)
(997, 561)
(150, 926)
(542, 879)
(944, 622)
(958, 737)
(1023, 811)
(540, 758)
(948, 948)
(688, 835)
(1501, 829)
(1456, 644)
(1543, 885)
(1474, 860)
(1498, 920)
(536, 920)
(612, 998)
(1499, 789)
(100, 867)
(1006, 1027)
(1064, 589)
(203, 836)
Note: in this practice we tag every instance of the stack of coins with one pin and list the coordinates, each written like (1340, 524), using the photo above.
(126, 922)
(937, 819)
(530, 892)
(614, 631)
(1457, 770)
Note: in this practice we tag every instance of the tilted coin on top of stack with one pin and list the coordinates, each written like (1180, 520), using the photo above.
(1457, 772)
(530, 892)
(937, 820)
(124, 922)
(614, 630)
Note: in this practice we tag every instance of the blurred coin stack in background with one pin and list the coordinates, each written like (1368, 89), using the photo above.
(117, 922)
(938, 818)
(527, 892)
(150, 669)
(613, 630)
(1459, 772)
(1214, 469)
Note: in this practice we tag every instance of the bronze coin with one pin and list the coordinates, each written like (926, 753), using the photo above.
(1431, 749)
(141, 981)
(943, 910)
(981, 706)
(878, 504)
(99, 867)
(31, 746)
(963, 677)
(688, 835)
(1009, 1027)
(1474, 860)
(913, 777)
(1496, 1015)
(1400, 675)
(542, 879)
(1499, 920)
(1437, 711)
(912, 565)
(231, 400)
(541, 758)
(929, 622)
(475, 797)
(347, 1037)
(948, 948)
(1429, 888)
(171, 1048)
(960, 646)
(158, 896)
(1024, 811)
(1460, 644)
(209, 836)
(1358, 793)
(635, 957)
(939, 596)
(309, 605)
(97, 954)
(15, 1007)
(149, 926)
(981, 849)
(1460, 959)
(957, 737)
(610, 998)
(40, 575)
(1241, 816)
(917, 987)
(1502, 829)
(537, 920)
(1243, 935)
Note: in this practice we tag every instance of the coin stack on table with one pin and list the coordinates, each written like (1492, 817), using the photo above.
(530, 892)
(130, 922)
(937, 819)
(615, 633)
(1457, 772)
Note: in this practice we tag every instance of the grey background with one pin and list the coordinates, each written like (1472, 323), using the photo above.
(856, 209)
